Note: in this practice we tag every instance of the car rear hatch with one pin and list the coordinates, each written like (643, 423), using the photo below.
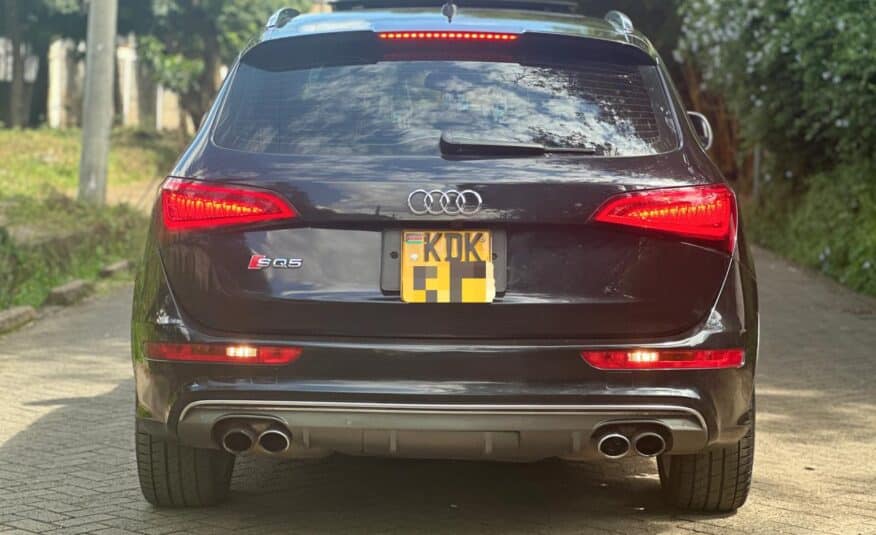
(345, 128)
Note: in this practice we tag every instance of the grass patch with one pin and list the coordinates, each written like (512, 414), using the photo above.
(72, 241)
(830, 227)
(38, 162)
(46, 237)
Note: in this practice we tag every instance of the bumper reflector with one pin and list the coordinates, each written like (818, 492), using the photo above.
(665, 359)
(223, 353)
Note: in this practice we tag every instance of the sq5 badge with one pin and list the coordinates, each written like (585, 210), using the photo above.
(259, 262)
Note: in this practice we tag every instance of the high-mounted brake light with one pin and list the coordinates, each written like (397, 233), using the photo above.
(189, 204)
(449, 36)
(699, 212)
(223, 353)
(665, 359)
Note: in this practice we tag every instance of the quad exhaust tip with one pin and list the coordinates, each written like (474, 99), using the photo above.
(649, 444)
(275, 440)
(238, 440)
(613, 446)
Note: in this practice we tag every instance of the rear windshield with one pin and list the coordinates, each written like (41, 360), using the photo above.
(400, 106)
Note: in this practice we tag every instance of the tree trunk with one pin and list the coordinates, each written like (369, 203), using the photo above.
(211, 76)
(724, 126)
(17, 111)
(39, 91)
(192, 103)
(197, 101)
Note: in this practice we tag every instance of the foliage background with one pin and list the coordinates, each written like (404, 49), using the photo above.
(47, 238)
(187, 41)
(800, 78)
(799, 74)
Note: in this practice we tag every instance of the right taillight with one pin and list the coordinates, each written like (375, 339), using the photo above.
(192, 204)
(706, 213)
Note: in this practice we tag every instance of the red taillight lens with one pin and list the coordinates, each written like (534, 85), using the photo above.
(448, 36)
(188, 204)
(223, 353)
(665, 359)
(699, 212)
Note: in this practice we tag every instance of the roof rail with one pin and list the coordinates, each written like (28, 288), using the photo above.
(281, 17)
(550, 6)
(619, 21)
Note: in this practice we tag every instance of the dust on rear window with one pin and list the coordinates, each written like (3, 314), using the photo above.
(402, 107)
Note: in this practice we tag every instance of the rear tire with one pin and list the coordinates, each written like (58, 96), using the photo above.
(713, 481)
(172, 475)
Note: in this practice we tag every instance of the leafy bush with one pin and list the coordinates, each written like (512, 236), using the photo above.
(71, 240)
(800, 77)
(799, 74)
(830, 227)
(46, 238)
(184, 43)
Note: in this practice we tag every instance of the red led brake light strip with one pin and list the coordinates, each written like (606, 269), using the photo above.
(448, 36)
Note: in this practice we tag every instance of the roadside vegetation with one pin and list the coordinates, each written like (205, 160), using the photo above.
(41, 162)
(46, 237)
(801, 81)
(829, 226)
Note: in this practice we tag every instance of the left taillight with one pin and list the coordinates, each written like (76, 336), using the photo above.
(707, 213)
(223, 353)
(191, 204)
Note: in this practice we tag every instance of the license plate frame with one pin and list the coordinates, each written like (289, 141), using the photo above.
(449, 265)
(390, 262)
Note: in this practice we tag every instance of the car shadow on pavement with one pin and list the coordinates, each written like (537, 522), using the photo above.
(75, 464)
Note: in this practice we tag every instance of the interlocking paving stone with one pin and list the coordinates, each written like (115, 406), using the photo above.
(30, 525)
(66, 446)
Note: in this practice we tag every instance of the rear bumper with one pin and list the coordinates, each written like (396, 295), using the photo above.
(499, 420)
(499, 432)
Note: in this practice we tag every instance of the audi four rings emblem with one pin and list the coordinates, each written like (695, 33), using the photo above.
(450, 202)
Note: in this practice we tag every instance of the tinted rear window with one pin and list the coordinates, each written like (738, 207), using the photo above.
(398, 106)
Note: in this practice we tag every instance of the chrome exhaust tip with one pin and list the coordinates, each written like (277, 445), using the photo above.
(649, 444)
(275, 440)
(237, 440)
(613, 446)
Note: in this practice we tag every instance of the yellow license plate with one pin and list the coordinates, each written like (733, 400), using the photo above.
(439, 266)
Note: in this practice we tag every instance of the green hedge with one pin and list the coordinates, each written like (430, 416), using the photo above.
(831, 226)
(799, 74)
(800, 77)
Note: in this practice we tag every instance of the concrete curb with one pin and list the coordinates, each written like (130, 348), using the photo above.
(115, 268)
(60, 296)
(69, 293)
(13, 318)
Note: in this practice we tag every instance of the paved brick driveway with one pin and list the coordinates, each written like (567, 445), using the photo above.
(66, 463)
